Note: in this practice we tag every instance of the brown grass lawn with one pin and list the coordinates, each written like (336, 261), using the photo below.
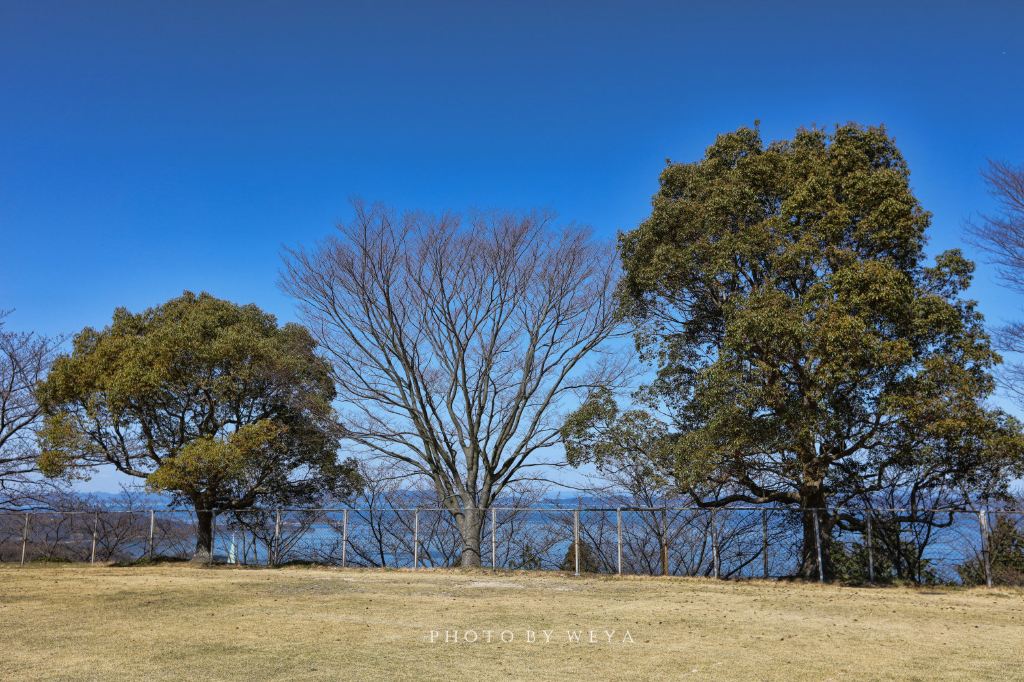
(184, 622)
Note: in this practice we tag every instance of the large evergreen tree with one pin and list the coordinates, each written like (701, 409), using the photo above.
(806, 352)
(206, 399)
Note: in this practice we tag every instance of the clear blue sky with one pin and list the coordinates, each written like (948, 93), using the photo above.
(147, 148)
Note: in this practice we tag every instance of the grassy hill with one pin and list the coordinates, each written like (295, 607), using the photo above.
(178, 621)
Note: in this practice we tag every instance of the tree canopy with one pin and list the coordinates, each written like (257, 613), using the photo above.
(203, 398)
(806, 351)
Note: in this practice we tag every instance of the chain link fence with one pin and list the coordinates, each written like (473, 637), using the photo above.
(931, 547)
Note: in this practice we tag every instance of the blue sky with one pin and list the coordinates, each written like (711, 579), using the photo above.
(147, 148)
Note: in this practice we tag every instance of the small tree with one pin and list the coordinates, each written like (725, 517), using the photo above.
(205, 399)
(588, 563)
(1006, 556)
(894, 557)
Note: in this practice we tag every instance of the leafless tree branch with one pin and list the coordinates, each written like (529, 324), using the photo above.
(454, 342)
(24, 360)
(1001, 236)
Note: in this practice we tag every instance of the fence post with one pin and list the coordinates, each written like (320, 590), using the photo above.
(715, 559)
(213, 535)
(416, 539)
(986, 545)
(24, 540)
(764, 544)
(274, 556)
(576, 538)
(95, 529)
(817, 546)
(618, 537)
(152, 526)
(664, 541)
(494, 539)
(871, 552)
(344, 536)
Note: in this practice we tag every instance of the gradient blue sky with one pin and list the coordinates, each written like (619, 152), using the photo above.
(151, 147)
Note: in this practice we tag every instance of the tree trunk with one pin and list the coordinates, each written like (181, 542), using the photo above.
(204, 536)
(663, 541)
(815, 536)
(471, 526)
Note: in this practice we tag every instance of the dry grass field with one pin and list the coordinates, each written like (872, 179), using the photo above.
(183, 622)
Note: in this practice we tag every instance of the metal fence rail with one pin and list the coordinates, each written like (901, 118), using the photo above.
(935, 547)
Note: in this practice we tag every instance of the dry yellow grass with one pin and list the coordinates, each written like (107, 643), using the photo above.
(183, 622)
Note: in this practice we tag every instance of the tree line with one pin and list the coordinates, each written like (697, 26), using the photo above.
(794, 346)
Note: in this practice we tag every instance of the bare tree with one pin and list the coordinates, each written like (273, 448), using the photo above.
(24, 360)
(1001, 235)
(454, 343)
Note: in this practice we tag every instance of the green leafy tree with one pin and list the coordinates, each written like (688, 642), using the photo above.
(202, 398)
(806, 352)
(588, 562)
(529, 558)
(1006, 543)
(895, 556)
(630, 445)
